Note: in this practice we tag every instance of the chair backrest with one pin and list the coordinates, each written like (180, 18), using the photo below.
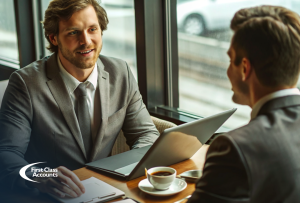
(161, 125)
(3, 85)
(120, 144)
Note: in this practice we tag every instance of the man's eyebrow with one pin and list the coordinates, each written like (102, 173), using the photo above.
(95, 25)
(71, 28)
(76, 28)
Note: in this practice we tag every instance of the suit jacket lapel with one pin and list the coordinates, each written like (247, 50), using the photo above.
(103, 81)
(281, 102)
(61, 96)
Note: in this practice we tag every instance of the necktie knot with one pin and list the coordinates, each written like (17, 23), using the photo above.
(81, 89)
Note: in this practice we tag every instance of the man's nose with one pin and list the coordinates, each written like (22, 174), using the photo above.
(85, 38)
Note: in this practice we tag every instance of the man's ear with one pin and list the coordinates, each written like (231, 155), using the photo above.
(53, 39)
(247, 69)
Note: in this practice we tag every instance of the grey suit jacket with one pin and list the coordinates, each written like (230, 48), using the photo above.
(259, 162)
(38, 122)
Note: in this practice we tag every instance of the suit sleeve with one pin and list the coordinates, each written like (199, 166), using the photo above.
(138, 127)
(224, 176)
(15, 130)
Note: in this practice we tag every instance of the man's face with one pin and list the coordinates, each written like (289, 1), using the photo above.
(239, 87)
(80, 39)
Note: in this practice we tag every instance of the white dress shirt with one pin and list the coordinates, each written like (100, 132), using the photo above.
(91, 87)
(281, 93)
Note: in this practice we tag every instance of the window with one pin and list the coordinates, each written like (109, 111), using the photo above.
(119, 38)
(184, 67)
(44, 6)
(8, 35)
(203, 40)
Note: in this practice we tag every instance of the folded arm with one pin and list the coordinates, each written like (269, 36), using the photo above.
(224, 176)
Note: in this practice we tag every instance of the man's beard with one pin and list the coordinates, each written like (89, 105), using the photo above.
(79, 63)
(239, 95)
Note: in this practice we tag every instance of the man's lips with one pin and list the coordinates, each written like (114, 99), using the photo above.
(85, 52)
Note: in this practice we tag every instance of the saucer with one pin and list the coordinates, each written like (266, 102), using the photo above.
(177, 186)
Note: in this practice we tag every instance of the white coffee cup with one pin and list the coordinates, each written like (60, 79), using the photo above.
(161, 182)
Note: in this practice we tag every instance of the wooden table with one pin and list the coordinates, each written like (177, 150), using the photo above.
(131, 187)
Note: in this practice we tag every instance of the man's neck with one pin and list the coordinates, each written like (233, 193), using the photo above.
(78, 73)
(260, 92)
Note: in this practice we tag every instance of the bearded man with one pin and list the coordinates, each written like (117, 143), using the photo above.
(67, 109)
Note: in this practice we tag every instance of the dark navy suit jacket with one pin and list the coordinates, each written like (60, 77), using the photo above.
(259, 162)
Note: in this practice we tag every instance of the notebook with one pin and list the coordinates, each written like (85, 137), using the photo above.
(95, 191)
(126, 201)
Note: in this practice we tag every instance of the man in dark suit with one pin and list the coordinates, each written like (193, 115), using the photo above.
(67, 109)
(259, 162)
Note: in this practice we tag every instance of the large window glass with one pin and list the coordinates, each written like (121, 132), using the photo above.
(203, 40)
(8, 35)
(119, 38)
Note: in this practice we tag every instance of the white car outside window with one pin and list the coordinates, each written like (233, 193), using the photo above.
(198, 16)
(119, 3)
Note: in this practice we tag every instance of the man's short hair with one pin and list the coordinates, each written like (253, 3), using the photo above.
(269, 37)
(63, 10)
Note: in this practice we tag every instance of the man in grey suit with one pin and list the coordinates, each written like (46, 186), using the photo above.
(67, 109)
(259, 162)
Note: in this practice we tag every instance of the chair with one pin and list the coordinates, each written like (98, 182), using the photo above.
(3, 85)
(120, 144)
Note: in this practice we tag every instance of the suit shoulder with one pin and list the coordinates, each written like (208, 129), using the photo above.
(226, 143)
(248, 132)
(34, 70)
(109, 59)
(113, 63)
(226, 147)
(254, 138)
(221, 141)
(117, 68)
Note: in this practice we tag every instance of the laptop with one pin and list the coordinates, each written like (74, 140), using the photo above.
(172, 146)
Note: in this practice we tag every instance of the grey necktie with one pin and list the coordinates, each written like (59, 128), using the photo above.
(84, 119)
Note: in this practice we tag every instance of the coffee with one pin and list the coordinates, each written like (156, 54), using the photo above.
(161, 177)
(161, 173)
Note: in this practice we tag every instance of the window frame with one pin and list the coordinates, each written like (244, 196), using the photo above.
(25, 31)
(25, 35)
(157, 59)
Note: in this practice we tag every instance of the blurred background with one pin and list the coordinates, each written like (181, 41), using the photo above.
(203, 40)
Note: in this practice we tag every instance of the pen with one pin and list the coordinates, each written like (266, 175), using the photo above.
(101, 197)
(124, 197)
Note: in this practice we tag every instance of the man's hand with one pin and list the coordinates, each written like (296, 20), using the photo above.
(66, 183)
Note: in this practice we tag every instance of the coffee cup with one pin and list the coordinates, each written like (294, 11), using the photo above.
(161, 177)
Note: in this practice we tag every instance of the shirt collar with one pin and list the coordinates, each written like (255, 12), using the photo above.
(281, 93)
(72, 83)
(93, 78)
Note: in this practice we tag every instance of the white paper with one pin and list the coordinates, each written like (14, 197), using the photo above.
(94, 188)
(125, 201)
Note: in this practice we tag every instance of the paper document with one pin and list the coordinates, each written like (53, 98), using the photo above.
(125, 201)
(95, 191)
